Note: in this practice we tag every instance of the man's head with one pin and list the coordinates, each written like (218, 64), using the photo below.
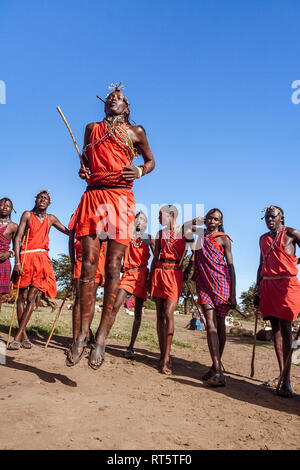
(6, 207)
(140, 223)
(214, 220)
(117, 104)
(167, 214)
(274, 217)
(42, 200)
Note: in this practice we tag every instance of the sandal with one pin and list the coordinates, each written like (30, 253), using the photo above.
(208, 375)
(16, 343)
(95, 349)
(217, 380)
(285, 392)
(271, 383)
(129, 354)
(76, 357)
(26, 341)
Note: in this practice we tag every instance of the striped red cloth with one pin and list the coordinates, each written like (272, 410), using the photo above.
(4, 265)
(211, 275)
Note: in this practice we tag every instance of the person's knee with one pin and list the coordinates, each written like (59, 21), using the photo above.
(113, 268)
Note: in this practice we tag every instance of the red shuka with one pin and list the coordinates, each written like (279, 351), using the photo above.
(136, 271)
(37, 269)
(278, 297)
(167, 283)
(110, 211)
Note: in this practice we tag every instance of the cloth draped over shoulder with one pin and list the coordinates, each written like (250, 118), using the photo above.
(280, 288)
(211, 274)
(168, 277)
(136, 268)
(37, 268)
(5, 266)
(109, 211)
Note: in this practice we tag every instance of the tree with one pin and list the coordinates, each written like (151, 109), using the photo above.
(247, 301)
(62, 270)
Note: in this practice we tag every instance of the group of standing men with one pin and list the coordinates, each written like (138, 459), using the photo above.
(107, 231)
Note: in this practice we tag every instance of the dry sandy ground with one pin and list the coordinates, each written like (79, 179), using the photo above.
(129, 405)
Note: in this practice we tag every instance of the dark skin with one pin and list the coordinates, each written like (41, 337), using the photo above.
(27, 296)
(139, 229)
(282, 329)
(165, 307)
(215, 324)
(115, 106)
(10, 231)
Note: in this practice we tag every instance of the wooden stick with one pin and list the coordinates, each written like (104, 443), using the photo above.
(17, 293)
(287, 362)
(228, 303)
(100, 99)
(73, 138)
(58, 313)
(254, 344)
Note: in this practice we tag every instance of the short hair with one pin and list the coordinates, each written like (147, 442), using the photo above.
(270, 208)
(211, 211)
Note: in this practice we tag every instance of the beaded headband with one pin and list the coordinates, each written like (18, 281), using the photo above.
(271, 208)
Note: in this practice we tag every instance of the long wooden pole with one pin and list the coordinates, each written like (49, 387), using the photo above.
(287, 362)
(228, 303)
(57, 315)
(254, 344)
(75, 143)
(17, 293)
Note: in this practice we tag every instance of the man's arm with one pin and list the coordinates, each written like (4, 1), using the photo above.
(58, 225)
(152, 244)
(86, 141)
(229, 259)
(156, 254)
(24, 225)
(139, 140)
(9, 233)
(72, 248)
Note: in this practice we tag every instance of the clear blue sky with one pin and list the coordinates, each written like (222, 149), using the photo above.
(209, 80)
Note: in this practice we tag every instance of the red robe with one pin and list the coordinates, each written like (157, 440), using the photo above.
(107, 211)
(136, 270)
(99, 276)
(167, 278)
(279, 297)
(37, 269)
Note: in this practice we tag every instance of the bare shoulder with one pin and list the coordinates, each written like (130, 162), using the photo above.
(90, 126)
(223, 240)
(26, 215)
(292, 233)
(13, 227)
(137, 133)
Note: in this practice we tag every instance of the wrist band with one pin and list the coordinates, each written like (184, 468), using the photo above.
(12, 253)
(140, 170)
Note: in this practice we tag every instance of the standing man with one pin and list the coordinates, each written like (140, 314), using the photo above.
(135, 277)
(37, 274)
(8, 230)
(214, 276)
(107, 210)
(277, 287)
(166, 279)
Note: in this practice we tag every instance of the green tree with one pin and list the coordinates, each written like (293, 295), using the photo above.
(62, 270)
(188, 288)
(247, 301)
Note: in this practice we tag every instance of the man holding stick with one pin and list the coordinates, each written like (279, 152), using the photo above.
(107, 210)
(37, 274)
(278, 288)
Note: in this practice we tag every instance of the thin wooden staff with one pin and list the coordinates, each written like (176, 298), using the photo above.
(254, 344)
(228, 303)
(18, 288)
(58, 313)
(75, 143)
(287, 362)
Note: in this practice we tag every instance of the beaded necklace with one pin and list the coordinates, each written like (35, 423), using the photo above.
(135, 242)
(118, 134)
(4, 221)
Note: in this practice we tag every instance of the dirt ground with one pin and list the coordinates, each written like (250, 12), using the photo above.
(127, 404)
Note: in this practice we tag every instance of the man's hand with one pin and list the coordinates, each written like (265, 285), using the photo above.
(83, 172)
(232, 301)
(130, 173)
(256, 300)
(18, 269)
(4, 255)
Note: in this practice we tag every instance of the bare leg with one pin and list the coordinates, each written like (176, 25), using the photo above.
(114, 255)
(160, 305)
(25, 312)
(221, 333)
(169, 308)
(120, 299)
(286, 335)
(76, 311)
(214, 375)
(136, 324)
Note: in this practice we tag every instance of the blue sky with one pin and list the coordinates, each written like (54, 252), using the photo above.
(209, 80)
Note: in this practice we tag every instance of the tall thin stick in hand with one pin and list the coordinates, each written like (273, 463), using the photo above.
(17, 293)
(73, 138)
(254, 344)
(58, 313)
